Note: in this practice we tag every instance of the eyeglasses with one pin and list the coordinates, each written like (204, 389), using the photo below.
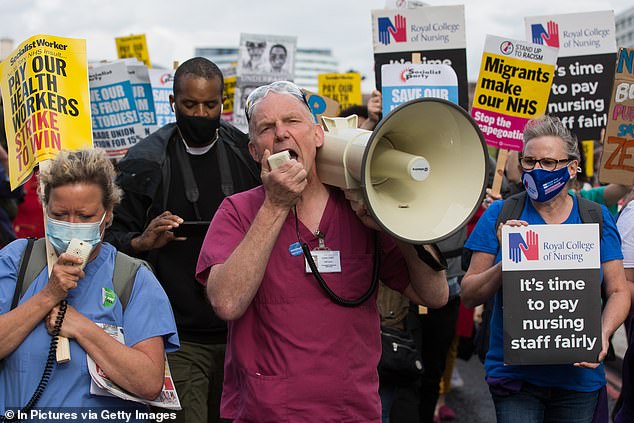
(284, 87)
(255, 44)
(528, 163)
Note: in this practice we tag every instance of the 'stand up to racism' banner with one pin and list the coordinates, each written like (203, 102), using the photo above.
(585, 65)
(513, 86)
(617, 159)
(552, 294)
(44, 85)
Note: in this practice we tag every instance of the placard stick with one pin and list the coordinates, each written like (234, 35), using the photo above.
(416, 61)
(503, 155)
(63, 347)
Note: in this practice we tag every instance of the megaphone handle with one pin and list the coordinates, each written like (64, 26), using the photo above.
(503, 155)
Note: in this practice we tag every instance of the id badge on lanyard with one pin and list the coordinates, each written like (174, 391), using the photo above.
(327, 261)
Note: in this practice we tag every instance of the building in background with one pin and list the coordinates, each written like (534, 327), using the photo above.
(6, 47)
(625, 28)
(223, 57)
(309, 62)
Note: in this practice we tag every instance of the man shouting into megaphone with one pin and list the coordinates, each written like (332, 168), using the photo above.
(293, 268)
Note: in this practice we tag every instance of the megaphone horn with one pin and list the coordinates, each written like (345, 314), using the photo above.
(422, 170)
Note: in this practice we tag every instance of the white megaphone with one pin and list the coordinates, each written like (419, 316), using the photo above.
(422, 171)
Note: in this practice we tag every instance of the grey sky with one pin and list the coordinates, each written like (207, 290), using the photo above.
(175, 28)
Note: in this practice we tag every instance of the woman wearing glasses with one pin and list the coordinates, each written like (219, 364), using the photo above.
(609, 194)
(537, 393)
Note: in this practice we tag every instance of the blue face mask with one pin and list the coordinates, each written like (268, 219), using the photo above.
(542, 185)
(60, 233)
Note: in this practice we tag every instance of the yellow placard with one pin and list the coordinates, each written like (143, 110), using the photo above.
(133, 46)
(229, 92)
(513, 87)
(588, 154)
(44, 85)
(344, 88)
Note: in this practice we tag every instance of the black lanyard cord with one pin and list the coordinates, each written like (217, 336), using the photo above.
(48, 368)
(331, 294)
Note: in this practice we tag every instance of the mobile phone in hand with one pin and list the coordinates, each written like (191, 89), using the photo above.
(191, 229)
(79, 249)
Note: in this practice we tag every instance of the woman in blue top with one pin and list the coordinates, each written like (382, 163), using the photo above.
(543, 393)
(79, 193)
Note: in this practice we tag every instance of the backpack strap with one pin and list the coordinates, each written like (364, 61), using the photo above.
(33, 261)
(512, 208)
(125, 270)
(24, 259)
(590, 212)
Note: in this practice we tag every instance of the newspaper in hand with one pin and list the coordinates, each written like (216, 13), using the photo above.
(101, 385)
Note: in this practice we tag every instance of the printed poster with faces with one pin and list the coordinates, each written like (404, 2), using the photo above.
(552, 294)
(262, 59)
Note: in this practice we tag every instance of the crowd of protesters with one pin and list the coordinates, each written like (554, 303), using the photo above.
(259, 338)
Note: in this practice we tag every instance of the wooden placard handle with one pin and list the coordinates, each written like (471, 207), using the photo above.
(63, 347)
(503, 155)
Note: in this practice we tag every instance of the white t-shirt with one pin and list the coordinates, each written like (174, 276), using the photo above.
(625, 224)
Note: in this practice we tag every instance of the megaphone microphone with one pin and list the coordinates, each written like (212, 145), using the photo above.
(422, 171)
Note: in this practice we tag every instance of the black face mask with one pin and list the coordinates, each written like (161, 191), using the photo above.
(197, 131)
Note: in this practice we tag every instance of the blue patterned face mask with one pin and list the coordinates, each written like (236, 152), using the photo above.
(542, 185)
(60, 233)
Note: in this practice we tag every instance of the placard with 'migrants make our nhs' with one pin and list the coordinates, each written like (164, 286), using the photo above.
(551, 294)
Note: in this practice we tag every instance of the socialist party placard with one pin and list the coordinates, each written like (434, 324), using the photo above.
(551, 294)
(402, 83)
(162, 81)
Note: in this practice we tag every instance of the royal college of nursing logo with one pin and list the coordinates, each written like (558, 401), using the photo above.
(518, 246)
(548, 37)
(396, 30)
